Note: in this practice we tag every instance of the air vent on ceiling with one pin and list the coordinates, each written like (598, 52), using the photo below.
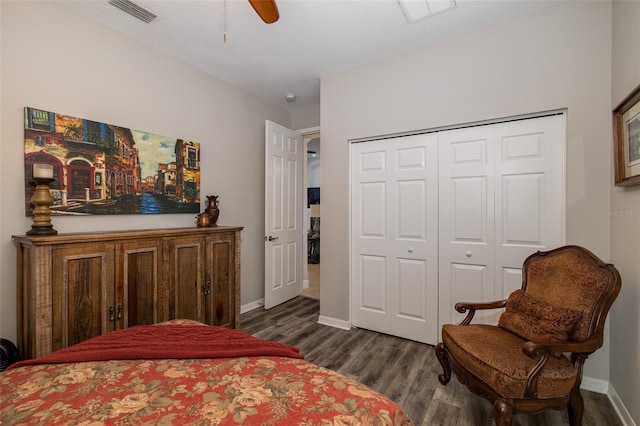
(418, 9)
(134, 10)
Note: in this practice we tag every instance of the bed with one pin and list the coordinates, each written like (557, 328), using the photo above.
(183, 372)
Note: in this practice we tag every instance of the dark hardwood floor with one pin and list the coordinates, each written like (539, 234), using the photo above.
(404, 370)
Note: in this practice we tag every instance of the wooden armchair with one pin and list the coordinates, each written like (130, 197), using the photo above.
(532, 360)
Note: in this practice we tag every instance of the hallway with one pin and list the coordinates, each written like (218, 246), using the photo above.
(313, 291)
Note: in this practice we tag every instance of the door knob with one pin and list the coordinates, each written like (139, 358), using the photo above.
(468, 254)
(270, 238)
(410, 249)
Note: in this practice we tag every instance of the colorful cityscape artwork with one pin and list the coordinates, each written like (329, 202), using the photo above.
(102, 169)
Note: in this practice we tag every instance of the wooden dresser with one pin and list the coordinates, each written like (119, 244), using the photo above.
(72, 287)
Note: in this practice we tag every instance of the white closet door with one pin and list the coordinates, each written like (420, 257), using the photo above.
(529, 195)
(501, 199)
(394, 211)
(466, 219)
(447, 217)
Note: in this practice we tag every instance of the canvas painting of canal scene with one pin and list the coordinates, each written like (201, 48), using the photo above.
(102, 169)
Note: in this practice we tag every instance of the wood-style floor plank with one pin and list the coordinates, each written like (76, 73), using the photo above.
(403, 370)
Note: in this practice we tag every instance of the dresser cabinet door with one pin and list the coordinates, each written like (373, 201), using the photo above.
(83, 293)
(219, 300)
(139, 297)
(186, 286)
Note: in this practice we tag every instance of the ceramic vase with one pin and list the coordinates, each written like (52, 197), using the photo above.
(212, 209)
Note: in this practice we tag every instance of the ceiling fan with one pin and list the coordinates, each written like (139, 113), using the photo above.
(267, 10)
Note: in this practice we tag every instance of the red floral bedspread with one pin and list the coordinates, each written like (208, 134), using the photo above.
(250, 390)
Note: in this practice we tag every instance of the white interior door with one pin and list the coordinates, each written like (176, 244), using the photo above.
(394, 236)
(284, 151)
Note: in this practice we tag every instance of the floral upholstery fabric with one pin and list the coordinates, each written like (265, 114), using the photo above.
(535, 320)
(495, 354)
(226, 391)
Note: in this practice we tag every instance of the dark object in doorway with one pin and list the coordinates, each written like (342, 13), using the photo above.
(313, 196)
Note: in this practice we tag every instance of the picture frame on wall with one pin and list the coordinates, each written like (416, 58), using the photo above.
(104, 169)
(626, 140)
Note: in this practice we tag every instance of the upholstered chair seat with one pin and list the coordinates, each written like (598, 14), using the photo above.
(495, 355)
(532, 359)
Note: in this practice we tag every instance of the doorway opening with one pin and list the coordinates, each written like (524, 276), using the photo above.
(311, 282)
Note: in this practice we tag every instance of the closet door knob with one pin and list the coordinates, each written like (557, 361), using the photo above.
(468, 254)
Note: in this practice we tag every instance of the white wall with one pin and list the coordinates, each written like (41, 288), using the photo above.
(59, 61)
(559, 58)
(625, 229)
(314, 172)
(305, 117)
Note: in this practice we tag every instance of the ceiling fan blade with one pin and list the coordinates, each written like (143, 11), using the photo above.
(266, 9)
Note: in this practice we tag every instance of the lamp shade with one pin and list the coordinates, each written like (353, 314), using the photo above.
(315, 210)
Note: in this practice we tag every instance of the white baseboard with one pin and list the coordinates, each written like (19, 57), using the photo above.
(623, 414)
(334, 322)
(331, 322)
(251, 306)
(604, 387)
(594, 385)
(305, 284)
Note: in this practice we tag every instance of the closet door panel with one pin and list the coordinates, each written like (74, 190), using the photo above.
(411, 207)
(372, 306)
(466, 219)
(467, 284)
(529, 194)
(411, 276)
(522, 209)
(373, 202)
(370, 301)
(469, 210)
(511, 279)
(414, 208)
(394, 236)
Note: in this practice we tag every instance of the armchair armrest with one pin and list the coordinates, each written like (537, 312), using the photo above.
(472, 307)
(587, 347)
(540, 351)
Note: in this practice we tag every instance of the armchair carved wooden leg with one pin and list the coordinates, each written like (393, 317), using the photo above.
(445, 377)
(576, 407)
(502, 413)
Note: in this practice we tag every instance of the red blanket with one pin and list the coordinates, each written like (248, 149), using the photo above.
(167, 342)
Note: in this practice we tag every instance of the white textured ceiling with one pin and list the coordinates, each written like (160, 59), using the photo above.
(311, 39)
